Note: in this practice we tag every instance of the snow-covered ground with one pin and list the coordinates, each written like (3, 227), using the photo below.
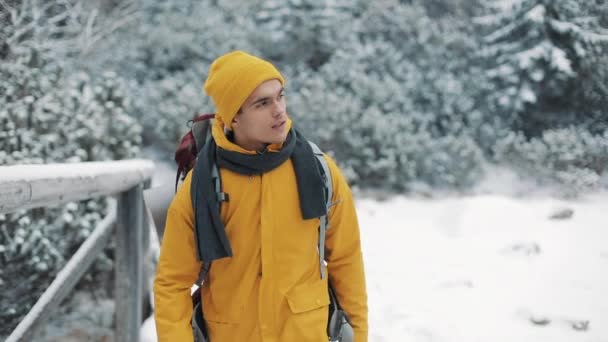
(484, 268)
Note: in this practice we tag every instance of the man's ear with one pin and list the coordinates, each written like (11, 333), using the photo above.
(235, 119)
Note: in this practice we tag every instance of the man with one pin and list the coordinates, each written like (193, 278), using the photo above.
(264, 283)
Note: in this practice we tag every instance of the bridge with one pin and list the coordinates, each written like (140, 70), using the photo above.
(122, 184)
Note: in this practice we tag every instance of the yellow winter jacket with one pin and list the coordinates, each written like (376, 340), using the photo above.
(270, 289)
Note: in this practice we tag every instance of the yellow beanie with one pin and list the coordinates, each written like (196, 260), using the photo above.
(233, 77)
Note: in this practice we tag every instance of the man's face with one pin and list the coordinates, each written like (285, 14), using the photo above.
(262, 119)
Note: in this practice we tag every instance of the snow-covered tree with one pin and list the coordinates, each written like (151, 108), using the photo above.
(449, 8)
(546, 82)
(166, 58)
(389, 103)
(48, 117)
(51, 114)
(304, 30)
(572, 158)
(542, 56)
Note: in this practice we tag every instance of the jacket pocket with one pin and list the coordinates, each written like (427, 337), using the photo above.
(308, 296)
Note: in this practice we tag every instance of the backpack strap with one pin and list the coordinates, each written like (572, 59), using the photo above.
(201, 130)
(221, 197)
(215, 175)
(338, 325)
(202, 273)
(324, 222)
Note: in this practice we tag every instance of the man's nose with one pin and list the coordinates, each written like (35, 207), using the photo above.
(278, 108)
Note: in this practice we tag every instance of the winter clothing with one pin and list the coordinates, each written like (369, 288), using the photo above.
(270, 289)
(233, 77)
(209, 229)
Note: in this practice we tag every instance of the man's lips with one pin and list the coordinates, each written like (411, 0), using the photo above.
(280, 124)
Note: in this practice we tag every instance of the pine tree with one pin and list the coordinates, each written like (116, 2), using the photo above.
(304, 30)
(538, 54)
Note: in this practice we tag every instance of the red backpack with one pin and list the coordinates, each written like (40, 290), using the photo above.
(191, 143)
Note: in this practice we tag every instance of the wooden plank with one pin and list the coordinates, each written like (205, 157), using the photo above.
(31, 186)
(150, 259)
(129, 264)
(66, 279)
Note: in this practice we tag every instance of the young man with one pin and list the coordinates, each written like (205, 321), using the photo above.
(265, 282)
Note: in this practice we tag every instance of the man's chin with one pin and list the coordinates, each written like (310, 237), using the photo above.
(279, 139)
(276, 142)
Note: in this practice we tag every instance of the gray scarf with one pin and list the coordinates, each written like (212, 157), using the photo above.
(211, 239)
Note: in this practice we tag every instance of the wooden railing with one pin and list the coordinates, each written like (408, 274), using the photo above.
(32, 186)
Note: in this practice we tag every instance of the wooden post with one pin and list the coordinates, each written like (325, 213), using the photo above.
(129, 264)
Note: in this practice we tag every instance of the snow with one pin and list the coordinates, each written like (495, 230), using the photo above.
(537, 14)
(560, 61)
(588, 36)
(545, 51)
(483, 268)
(527, 95)
(505, 4)
(30, 172)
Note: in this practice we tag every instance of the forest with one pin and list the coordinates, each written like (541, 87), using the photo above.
(411, 97)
